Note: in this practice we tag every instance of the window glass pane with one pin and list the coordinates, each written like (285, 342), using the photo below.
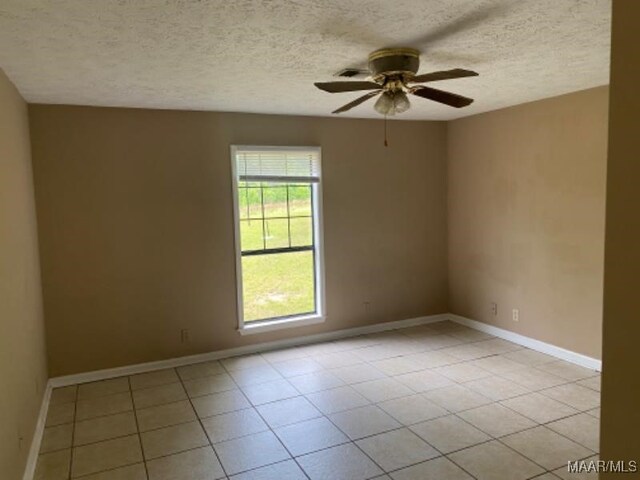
(300, 200)
(276, 216)
(249, 203)
(301, 232)
(278, 285)
(275, 201)
(251, 235)
(277, 233)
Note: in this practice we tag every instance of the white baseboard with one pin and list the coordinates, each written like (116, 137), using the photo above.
(34, 449)
(549, 349)
(528, 342)
(245, 350)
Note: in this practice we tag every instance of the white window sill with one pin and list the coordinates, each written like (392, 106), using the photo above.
(262, 327)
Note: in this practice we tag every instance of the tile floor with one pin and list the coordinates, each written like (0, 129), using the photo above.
(439, 401)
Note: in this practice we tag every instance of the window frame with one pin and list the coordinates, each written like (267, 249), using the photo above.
(258, 326)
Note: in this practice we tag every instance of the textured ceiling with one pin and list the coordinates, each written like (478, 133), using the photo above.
(263, 56)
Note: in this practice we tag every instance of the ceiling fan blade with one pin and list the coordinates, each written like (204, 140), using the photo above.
(468, 21)
(350, 30)
(443, 75)
(440, 96)
(356, 102)
(337, 87)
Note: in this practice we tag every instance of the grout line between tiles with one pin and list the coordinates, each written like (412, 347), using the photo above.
(73, 433)
(206, 434)
(269, 426)
(546, 470)
(138, 433)
(109, 470)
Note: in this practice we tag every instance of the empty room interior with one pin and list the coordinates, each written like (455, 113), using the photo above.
(321, 240)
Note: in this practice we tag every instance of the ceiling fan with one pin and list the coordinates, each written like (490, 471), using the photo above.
(393, 76)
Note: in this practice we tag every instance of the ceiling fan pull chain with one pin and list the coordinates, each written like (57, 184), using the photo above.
(386, 144)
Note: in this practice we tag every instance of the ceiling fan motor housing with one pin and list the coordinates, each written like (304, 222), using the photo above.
(394, 61)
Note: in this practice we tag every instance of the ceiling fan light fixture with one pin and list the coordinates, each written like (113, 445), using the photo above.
(384, 104)
(401, 102)
(391, 103)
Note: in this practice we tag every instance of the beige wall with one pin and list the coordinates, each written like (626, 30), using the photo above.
(526, 200)
(136, 224)
(136, 227)
(22, 351)
(620, 424)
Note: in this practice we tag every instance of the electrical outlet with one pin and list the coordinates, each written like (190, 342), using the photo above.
(367, 306)
(184, 336)
(494, 308)
(20, 439)
(516, 315)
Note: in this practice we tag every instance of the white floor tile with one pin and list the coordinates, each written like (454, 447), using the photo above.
(104, 428)
(539, 408)
(269, 392)
(413, 409)
(364, 421)
(494, 461)
(174, 439)
(310, 436)
(228, 426)
(255, 375)
(218, 403)
(397, 449)
(199, 370)
(153, 379)
(496, 420)
(546, 447)
(106, 455)
(437, 469)
(382, 389)
(357, 373)
(288, 411)
(198, 464)
(150, 397)
(344, 462)
(316, 382)
(424, 380)
(165, 415)
(287, 470)
(450, 433)
(457, 398)
(337, 399)
(199, 387)
(250, 452)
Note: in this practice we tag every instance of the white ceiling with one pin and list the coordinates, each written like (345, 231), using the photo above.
(263, 56)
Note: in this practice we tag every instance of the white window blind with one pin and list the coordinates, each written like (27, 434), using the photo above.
(271, 164)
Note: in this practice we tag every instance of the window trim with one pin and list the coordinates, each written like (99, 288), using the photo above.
(260, 326)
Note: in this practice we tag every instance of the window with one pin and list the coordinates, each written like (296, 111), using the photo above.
(278, 228)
